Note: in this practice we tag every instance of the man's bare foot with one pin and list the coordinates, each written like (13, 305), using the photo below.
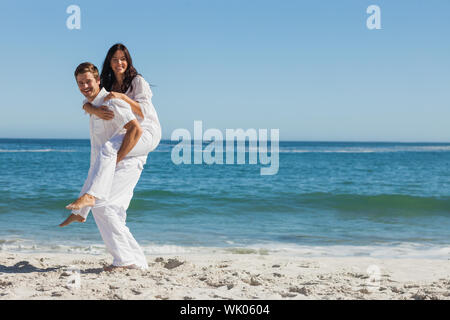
(111, 267)
(86, 200)
(72, 218)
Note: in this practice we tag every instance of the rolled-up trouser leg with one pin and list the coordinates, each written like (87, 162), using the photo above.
(110, 216)
(101, 173)
(84, 211)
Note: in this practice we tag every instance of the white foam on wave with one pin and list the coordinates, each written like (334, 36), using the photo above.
(330, 150)
(166, 249)
(394, 251)
(36, 150)
(30, 246)
(371, 150)
(168, 148)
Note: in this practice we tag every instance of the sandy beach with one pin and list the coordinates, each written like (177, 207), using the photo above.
(222, 276)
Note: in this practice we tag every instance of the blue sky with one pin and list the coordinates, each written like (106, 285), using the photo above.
(309, 68)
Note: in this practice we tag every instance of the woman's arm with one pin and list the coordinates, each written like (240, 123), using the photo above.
(135, 106)
(89, 108)
(102, 112)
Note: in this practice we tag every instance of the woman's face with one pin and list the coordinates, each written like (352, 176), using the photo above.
(119, 62)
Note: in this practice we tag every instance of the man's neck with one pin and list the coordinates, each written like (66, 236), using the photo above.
(92, 99)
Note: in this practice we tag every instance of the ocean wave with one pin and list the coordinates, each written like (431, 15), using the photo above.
(30, 246)
(357, 205)
(400, 250)
(319, 198)
(379, 204)
(55, 246)
(392, 205)
(281, 149)
(370, 150)
(37, 150)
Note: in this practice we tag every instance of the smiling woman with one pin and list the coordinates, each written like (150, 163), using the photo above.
(122, 80)
(118, 71)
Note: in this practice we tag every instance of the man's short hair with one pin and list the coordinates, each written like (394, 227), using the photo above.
(87, 67)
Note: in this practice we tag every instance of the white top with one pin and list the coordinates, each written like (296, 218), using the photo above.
(140, 92)
(103, 130)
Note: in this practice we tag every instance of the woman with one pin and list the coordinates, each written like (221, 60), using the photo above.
(121, 79)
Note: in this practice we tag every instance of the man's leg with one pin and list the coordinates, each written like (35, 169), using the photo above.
(104, 167)
(110, 216)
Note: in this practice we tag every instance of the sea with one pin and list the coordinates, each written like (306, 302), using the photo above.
(328, 199)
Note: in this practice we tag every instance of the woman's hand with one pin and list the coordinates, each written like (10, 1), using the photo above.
(113, 95)
(104, 113)
(89, 108)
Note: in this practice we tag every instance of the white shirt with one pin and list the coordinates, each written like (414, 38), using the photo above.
(103, 130)
(140, 92)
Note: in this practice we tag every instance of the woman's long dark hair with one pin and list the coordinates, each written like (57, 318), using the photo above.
(107, 77)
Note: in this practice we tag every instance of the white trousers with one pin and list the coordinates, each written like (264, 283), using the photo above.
(101, 180)
(110, 216)
(101, 173)
(117, 182)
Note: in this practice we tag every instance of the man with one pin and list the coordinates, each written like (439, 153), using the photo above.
(110, 214)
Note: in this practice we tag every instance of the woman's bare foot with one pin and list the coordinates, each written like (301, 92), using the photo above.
(72, 218)
(111, 267)
(86, 200)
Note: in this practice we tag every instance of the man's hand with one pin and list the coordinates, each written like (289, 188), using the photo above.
(113, 95)
(104, 113)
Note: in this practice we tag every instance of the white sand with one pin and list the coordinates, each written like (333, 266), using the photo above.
(222, 276)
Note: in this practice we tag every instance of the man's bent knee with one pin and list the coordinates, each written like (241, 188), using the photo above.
(109, 149)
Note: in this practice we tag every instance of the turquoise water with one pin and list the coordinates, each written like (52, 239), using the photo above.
(328, 198)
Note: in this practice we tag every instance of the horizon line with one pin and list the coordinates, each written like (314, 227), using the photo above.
(289, 140)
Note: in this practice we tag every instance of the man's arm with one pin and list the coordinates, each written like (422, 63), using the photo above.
(134, 133)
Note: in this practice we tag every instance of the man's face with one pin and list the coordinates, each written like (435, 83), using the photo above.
(88, 85)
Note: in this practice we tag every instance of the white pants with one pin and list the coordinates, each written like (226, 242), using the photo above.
(102, 176)
(110, 216)
(101, 173)
(116, 182)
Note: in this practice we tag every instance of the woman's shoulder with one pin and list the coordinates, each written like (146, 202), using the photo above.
(139, 85)
(138, 79)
